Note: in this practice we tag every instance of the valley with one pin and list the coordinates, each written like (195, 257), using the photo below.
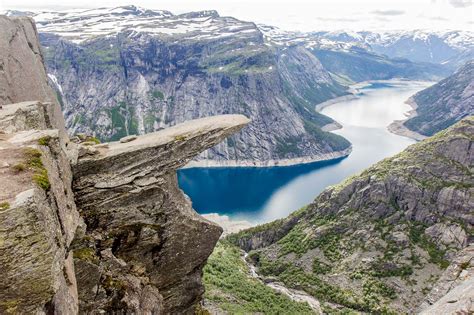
(209, 162)
(259, 195)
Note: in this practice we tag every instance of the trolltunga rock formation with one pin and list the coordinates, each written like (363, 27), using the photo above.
(93, 228)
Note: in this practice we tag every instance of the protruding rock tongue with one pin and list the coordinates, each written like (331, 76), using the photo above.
(127, 192)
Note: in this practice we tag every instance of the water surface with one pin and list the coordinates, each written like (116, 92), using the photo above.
(263, 194)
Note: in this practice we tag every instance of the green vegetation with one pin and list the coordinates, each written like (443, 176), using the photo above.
(229, 285)
(156, 94)
(417, 236)
(149, 121)
(33, 162)
(335, 141)
(87, 254)
(41, 179)
(124, 120)
(320, 268)
(264, 228)
(180, 138)
(381, 270)
(44, 140)
(19, 167)
(4, 205)
(298, 242)
(295, 277)
(93, 139)
(288, 146)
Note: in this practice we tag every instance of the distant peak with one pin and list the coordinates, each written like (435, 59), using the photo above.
(199, 14)
(136, 10)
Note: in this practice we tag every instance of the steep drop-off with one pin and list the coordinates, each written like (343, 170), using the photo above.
(145, 70)
(381, 240)
(93, 228)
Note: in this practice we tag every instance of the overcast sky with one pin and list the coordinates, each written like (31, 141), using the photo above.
(304, 15)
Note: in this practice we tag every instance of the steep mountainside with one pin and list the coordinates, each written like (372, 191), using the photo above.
(131, 71)
(379, 241)
(93, 228)
(357, 65)
(444, 103)
(444, 47)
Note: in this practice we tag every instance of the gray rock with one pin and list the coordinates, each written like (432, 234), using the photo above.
(444, 103)
(400, 223)
(152, 227)
(135, 245)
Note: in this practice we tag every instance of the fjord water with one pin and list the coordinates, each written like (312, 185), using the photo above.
(260, 194)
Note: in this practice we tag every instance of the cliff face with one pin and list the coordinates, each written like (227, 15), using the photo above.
(169, 69)
(88, 227)
(444, 103)
(381, 240)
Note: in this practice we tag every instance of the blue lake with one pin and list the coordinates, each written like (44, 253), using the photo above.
(260, 195)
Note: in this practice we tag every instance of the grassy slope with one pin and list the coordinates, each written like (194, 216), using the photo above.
(230, 287)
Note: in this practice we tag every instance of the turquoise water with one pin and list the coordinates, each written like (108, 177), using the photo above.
(264, 194)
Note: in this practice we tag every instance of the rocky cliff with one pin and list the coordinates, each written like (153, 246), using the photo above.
(136, 71)
(87, 227)
(444, 103)
(381, 241)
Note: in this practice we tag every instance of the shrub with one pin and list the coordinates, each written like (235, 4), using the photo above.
(44, 140)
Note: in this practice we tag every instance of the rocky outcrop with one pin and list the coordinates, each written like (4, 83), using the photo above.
(143, 242)
(453, 293)
(381, 240)
(87, 227)
(22, 71)
(38, 213)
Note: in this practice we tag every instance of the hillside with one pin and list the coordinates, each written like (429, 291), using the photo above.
(379, 241)
(444, 103)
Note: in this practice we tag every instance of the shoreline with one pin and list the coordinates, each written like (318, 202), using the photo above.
(398, 128)
(228, 225)
(319, 107)
(270, 163)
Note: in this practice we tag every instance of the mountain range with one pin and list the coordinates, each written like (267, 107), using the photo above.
(129, 70)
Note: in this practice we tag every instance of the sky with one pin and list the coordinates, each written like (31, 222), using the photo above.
(301, 15)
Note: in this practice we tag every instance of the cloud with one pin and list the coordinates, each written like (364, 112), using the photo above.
(390, 12)
(338, 19)
(461, 3)
(438, 18)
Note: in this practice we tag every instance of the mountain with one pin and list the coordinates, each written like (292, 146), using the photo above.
(87, 227)
(358, 65)
(379, 241)
(351, 58)
(441, 47)
(442, 104)
(128, 70)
